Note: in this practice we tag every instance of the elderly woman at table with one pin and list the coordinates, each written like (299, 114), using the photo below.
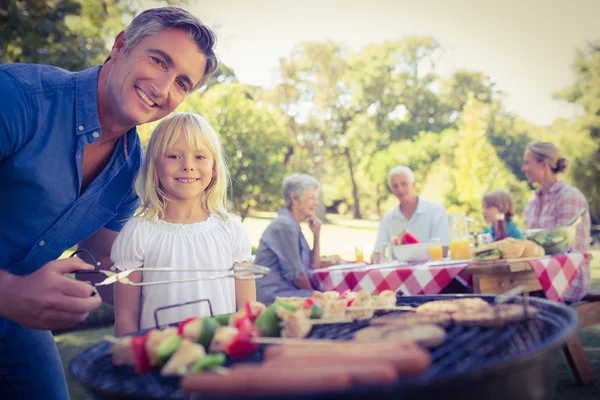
(555, 203)
(283, 247)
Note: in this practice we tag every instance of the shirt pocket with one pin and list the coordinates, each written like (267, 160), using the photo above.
(95, 218)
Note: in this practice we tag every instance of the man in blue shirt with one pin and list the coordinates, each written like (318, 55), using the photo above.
(69, 153)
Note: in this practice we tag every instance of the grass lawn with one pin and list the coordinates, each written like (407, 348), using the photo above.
(339, 237)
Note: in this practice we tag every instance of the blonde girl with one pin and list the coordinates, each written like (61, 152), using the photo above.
(183, 223)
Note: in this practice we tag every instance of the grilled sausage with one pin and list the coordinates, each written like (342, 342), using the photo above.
(260, 380)
(369, 373)
(407, 359)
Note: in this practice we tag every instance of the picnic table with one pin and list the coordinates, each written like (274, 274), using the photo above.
(552, 274)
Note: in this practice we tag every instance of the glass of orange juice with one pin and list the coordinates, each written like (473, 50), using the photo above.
(435, 249)
(460, 249)
(360, 254)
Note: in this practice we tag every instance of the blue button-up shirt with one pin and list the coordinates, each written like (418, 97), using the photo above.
(47, 116)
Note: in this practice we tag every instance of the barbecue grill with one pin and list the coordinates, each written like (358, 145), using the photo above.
(514, 362)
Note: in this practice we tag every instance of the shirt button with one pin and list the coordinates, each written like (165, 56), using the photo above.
(80, 127)
(42, 243)
(96, 135)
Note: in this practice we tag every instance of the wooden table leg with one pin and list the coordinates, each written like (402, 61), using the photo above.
(497, 283)
(584, 375)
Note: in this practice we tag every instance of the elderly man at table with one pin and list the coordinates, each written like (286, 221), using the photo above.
(283, 247)
(424, 219)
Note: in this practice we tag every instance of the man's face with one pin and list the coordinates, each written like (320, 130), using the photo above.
(154, 77)
(402, 187)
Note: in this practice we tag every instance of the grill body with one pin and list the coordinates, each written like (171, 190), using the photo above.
(516, 362)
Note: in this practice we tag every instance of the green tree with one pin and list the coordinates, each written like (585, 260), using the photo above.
(585, 92)
(71, 34)
(474, 169)
(253, 142)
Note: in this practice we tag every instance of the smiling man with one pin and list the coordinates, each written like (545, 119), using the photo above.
(424, 219)
(69, 153)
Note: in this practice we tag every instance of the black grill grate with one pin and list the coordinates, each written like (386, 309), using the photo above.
(466, 350)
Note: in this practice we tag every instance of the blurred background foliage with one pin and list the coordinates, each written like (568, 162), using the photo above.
(345, 117)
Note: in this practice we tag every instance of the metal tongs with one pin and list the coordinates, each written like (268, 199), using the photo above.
(240, 271)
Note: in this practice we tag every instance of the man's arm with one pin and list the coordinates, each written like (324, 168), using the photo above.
(100, 244)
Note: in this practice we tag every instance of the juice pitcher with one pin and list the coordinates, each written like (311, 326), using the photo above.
(460, 240)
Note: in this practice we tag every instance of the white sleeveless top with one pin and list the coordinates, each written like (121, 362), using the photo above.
(211, 244)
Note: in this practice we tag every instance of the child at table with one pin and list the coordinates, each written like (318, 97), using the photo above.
(500, 202)
(183, 223)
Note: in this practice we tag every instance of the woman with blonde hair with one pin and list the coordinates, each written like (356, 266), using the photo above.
(555, 203)
(183, 223)
(500, 202)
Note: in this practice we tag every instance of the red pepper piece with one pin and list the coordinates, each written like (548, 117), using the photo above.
(250, 313)
(350, 302)
(309, 302)
(242, 345)
(184, 323)
(141, 363)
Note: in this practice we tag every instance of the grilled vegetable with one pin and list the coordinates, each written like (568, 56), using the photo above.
(141, 363)
(209, 362)
(241, 344)
(222, 319)
(155, 338)
(223, 335)
(209, 326)
(166, 349)
(267, 323)
(187, 353)
(316, 311)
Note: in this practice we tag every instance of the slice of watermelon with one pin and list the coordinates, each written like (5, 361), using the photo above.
(408, 238)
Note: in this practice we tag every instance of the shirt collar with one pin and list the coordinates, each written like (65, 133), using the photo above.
(86, 101)
(421, 208)
(553, 189)
(284, 212)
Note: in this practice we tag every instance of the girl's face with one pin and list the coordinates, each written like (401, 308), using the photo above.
(489, 213)
(534, 170)
(307, 203)
(183, 172)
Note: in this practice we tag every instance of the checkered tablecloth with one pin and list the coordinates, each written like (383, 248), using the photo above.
(409, 279)
(557, 272)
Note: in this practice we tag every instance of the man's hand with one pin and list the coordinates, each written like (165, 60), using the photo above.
(46, 299)
(314, 224)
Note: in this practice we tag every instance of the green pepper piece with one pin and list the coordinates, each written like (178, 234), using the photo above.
(222, 319)
(209, 326)
(285, 305)
(268, 322)
(208, 362)
(316, 311)
(166, 349)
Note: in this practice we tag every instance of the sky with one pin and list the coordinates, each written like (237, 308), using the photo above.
(526, 47)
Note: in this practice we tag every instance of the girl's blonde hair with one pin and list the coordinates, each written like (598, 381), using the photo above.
(502, 200)
(548, 151)
(199, 135)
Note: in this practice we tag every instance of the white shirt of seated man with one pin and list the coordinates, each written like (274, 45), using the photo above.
(426, 220)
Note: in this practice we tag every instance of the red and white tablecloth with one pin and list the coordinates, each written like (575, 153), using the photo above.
(557, 272)
(409, 279)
